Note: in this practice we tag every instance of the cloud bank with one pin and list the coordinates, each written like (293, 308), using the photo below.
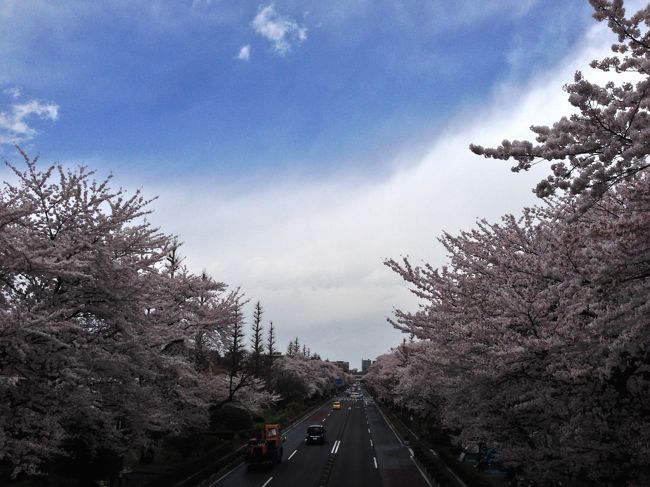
(312, 250)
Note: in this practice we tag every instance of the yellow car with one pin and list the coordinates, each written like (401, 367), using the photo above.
(336, 405)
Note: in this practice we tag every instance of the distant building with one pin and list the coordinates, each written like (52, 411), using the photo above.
(345, 366)
(365, 365)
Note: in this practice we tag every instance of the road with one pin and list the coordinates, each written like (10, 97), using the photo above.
(360, 450)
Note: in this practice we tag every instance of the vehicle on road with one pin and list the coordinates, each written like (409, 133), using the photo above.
(315, 434)
(336, 405)
(266, 447)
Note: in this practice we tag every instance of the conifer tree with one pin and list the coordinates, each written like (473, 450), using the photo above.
(257, 343)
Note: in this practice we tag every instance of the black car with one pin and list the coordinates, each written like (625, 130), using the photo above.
(315, 434)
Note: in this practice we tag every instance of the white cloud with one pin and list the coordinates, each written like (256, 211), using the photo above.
(244, 53)
(15, 122)
(281, 31)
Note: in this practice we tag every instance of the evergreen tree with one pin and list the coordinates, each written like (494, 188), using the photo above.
(270, 344)
(257, 342)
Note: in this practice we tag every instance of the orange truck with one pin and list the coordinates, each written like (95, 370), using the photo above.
(266, 447)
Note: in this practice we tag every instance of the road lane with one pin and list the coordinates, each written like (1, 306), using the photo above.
(394, 461)
(355, 464)
(313, 462)
(305, 465)
(360, 451)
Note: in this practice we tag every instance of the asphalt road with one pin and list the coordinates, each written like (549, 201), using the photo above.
(361, 450)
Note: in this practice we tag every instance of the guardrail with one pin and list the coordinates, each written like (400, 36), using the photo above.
(184, 475)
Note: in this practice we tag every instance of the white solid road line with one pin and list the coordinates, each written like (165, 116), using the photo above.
(424, 475)
(374, 459)
(409, 430)
(460, 482)
(290, 456)
(267, 482)
(225, 475)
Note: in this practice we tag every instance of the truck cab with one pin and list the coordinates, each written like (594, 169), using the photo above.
(266, 448)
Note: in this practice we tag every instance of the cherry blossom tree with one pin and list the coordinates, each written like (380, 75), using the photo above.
(384, 376)
(197, 307)
(303, 378)
(606, 141)
(537, 336)
(72, 275)
(94, 332)
(403, 378)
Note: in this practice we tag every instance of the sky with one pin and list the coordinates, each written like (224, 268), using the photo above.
(294, 146)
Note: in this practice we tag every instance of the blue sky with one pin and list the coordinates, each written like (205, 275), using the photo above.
(160, 81)
(319, 107)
